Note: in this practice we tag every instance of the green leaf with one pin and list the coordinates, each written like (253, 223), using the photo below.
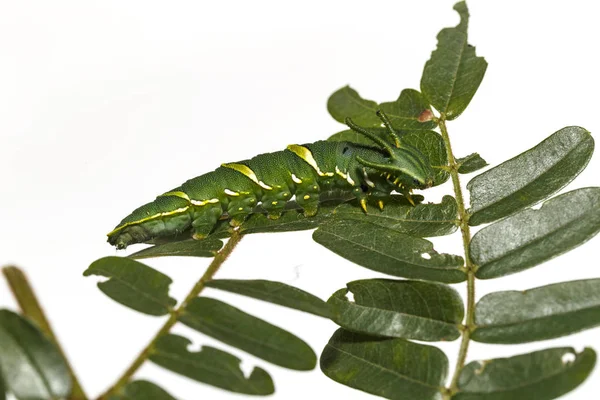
(541, 375)
(142, 390)
(386, 250)
(134, 285)
(531, 176)
(432, 145)
(187, 248)
(274, 292)
(410, 111)
(2, 387)
(405, 309)
(32, 366)
(390, 368)
(429, 143)
(463, 12)
(209, 365)
(531, 237)
(453, 73)
(422, 220)
(470, 163)
(542, 313)
(346, 102)
(246, 332)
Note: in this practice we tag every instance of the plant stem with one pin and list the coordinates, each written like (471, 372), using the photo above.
(470, 267)
(31, 308)
(173, 317)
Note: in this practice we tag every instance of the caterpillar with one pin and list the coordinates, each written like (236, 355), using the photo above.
(300, 173)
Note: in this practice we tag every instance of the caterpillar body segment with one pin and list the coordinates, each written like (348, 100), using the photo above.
(300, 173)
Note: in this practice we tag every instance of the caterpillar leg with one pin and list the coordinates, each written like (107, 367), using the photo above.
(408, 196)
(205, 220)
(362, 197)
(239, 208)
(275, 200)
(307, 197)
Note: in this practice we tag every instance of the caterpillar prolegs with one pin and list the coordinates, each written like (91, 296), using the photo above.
(300, 173)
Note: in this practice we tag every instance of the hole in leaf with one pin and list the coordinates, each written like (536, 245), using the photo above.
(568, 358)
(194, 347)
(350, 296)
(537, 206)
(246, 368)
(98, 279)
(426, 256)
(482, 365)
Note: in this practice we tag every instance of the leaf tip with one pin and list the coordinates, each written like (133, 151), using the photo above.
(462, 10)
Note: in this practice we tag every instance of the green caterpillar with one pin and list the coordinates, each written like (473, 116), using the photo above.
(302, 172)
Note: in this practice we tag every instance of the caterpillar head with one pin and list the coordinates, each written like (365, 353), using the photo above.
(404, 164)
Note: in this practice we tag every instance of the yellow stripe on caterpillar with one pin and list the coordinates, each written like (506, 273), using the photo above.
(149, 218)
(204, 202)
(229, 192)
(177, 194)
(296, 179)
(245, 170)
(344, 175)
(305, 154)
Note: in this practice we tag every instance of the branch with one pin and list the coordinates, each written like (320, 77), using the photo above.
(196, 290)
(470, 267)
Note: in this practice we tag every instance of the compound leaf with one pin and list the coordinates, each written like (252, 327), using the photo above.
(389, 251)
(541, 375)
(210, 365)
(134, 285)
(410, 111)
(422, 220)
(405, 309)
(453, 73)
(531, 176)
(531, 237)
(142, 390)
(346, 102)
(542, 313)
(274, 292)
(187, 248)
(32, 366)
(246, 332)
(470, 163)
(390, 368)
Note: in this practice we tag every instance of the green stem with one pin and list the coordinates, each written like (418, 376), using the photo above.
(173, 317)
(470, 267)
(31, 308)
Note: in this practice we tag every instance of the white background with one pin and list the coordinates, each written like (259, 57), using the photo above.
(104, 105)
